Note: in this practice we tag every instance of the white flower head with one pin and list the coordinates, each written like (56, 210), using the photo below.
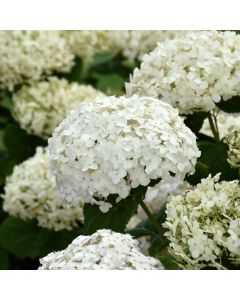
(135, 43)
(192, 72)
(40, 107)
(31, 194)
(27, 55)
(233, 142)
(203, 225)
(87, 43)
(112, 145)
(104, 250)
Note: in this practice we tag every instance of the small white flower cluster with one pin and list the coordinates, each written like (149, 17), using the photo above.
(104, 250)
(192, 73)
(87, 43)
(40, 107)
(204, 225)
(31, 194)
(26, 55)
(112, 145)
(156, 197)
(135, 43)
(226, 124)
(233, 141)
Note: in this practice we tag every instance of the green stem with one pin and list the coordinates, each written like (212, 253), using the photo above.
(150, 216)
(212, 126)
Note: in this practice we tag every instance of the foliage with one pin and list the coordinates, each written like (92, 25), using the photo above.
(22, 243)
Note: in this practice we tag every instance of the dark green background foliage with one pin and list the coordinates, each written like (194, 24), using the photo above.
(22, 243)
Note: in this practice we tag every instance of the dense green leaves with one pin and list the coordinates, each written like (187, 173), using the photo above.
(26, 239)
(230, 106)
(116, 218)
(169, 262)
(195, 121)
(213, 160)
(4, 259)
(109, 82)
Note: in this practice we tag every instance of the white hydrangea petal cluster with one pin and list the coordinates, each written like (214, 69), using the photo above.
(87, 43)
(31, 194)
(156, 197)
(204, 224)
(103, 250)
(40, 107)
(233, 141)
(226, 124)
(112, 145)
(191, 73)
(26, 55)
(135, 43)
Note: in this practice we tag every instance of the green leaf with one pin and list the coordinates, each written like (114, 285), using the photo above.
(2, 144)
(4, 260)
(109, 82)
(118, 215)
(230, 106)
(27, 240)
(169, 262)
(6, 102)
(145, 227)
(20, 145)
(213, 160)
(195, 121)
(102, 58)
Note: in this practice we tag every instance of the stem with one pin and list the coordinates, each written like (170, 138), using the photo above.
(212, 126)
(216, 124)
(150, 216)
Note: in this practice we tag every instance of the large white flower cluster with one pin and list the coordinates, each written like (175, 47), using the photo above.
(40, 107)
(31, 194)
(156, 197)
(193, 72)
(135, 43)
(112, 145)
(104, 250)
(233, 141)
(226, 124)
(204, 225)
(87, 43)
(26, 55)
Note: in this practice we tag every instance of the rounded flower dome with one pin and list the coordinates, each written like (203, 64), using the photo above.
(204, 224)
(40, 107)
(87, 43)
(191, 73)
(112, 145)
(135, 43)
(104, 250)
(26, 55)
(31, 194)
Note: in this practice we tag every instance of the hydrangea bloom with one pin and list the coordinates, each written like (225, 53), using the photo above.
(40, 107)
(31, 194)
(156, 197)
(233, 141)
(87, 43)
(192, 72)
(204, 224)
(104, 250)
(28, 54)
(112, 145)
(135, 43)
